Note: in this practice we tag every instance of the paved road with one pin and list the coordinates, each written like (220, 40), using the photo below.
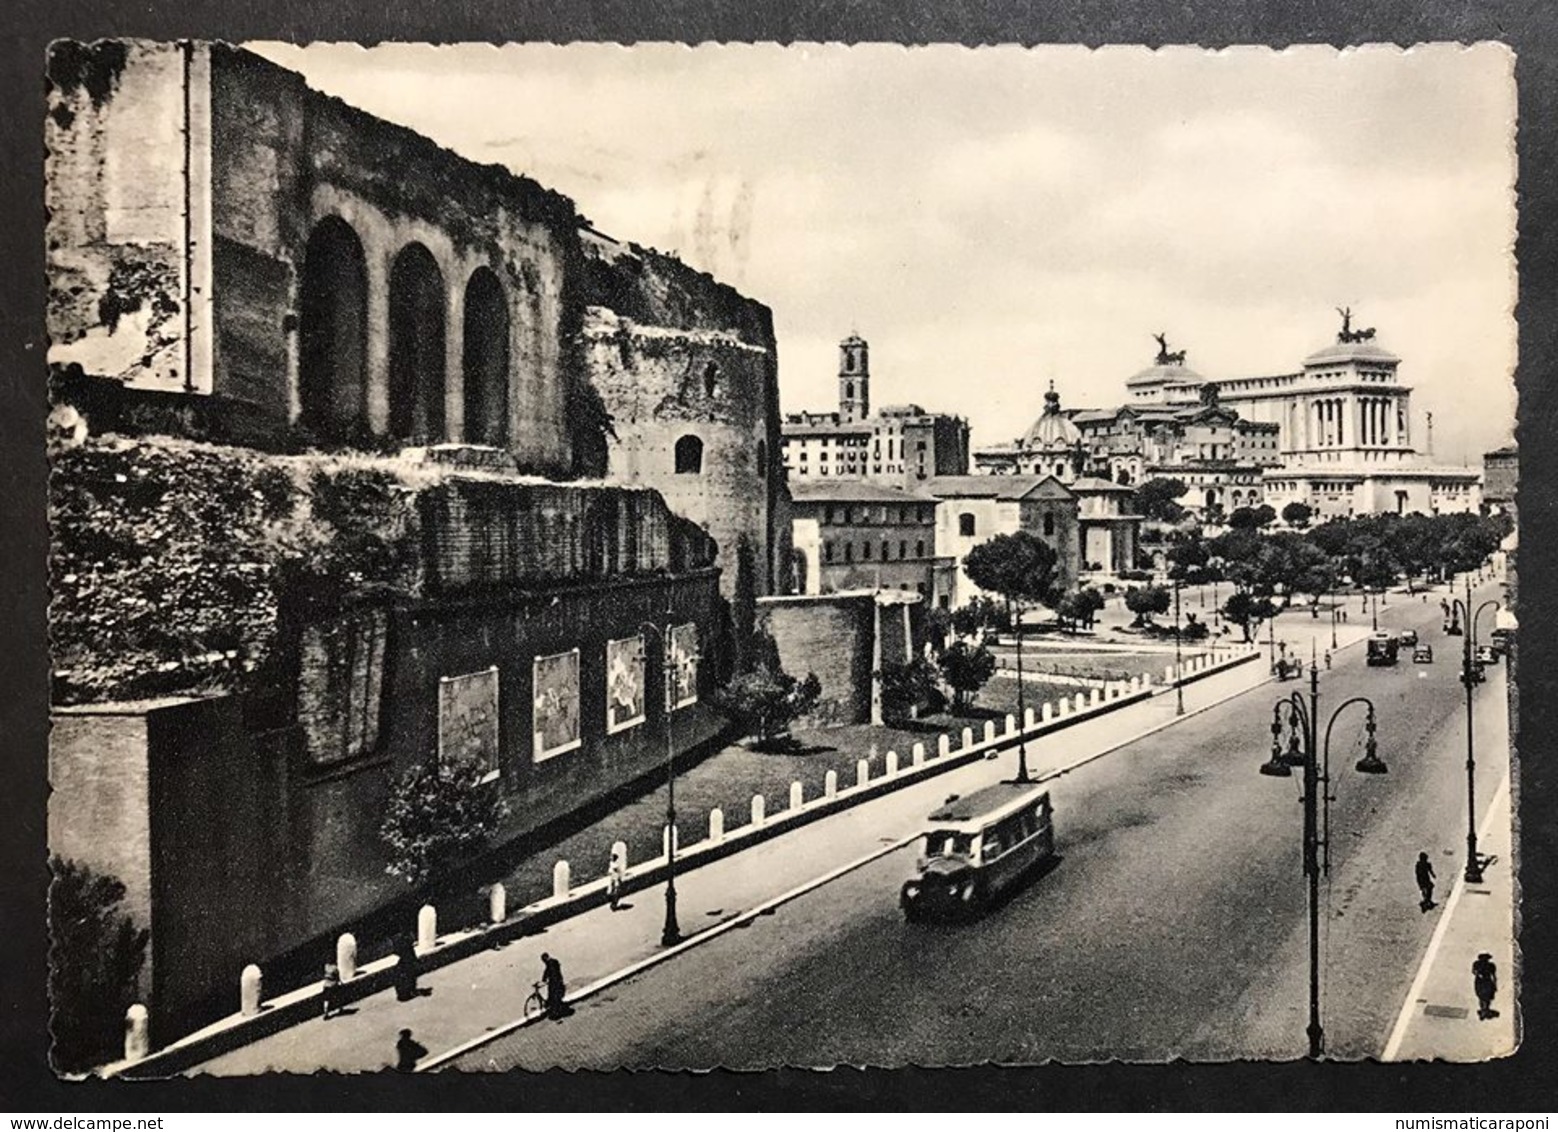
(1174, 925)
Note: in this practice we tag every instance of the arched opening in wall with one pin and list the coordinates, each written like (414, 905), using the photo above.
(416, 361)
(762, 459)
(966, 524)
(689, 456)
(485, 361)
(1211, 499)
(710, 379)
(333, 331)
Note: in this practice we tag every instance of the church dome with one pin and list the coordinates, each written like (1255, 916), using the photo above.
(1053, 431)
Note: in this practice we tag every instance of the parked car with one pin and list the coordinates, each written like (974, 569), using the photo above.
(1486, 655)
(1500, 639)
(1408, 637)
(1423, 654)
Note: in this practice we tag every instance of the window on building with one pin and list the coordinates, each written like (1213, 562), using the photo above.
(827, 552)
(1049, 524)
(966, 524)
(919, 548)
(710, 379)
(903, 548)
(885, 549)
(849, 552)
(689, 456)
(762, 460)
(865, 551)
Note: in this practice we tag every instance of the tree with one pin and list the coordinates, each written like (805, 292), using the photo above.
(1246, 610)
(980, 613)
(966, 668)
(440, 813)
(1146, 601)
(938, 625)
(1243, 519)
(764, 703)
(96, 952)
(906, 687)
(1158, 499)
(1297, 514)
(1265, 515)
(1020, 567)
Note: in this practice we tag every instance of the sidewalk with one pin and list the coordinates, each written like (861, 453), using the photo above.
(1439, 1018)
(484, 992)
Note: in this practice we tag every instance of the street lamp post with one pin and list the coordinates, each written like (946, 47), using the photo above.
(1179, 683)
(1022, 714)
(1305, 749)
(1463, 611)
(670, 932)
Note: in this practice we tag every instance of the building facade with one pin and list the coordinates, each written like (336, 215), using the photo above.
(974, 509)
(854, 535)
(898, 444)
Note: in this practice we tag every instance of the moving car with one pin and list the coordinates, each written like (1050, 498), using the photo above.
(1407, 637)
(1423, 654)
(977, 847)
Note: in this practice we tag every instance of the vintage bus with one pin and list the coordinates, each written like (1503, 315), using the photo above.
(1382, 649)
(978, 846)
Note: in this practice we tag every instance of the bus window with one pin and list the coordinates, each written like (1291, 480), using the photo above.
(945, 843)
(994, 844)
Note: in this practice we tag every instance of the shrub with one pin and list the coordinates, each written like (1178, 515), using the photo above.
(95, 957)
(764, 703)
(440, 813)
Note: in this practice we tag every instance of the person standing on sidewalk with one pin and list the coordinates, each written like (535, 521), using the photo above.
(1484, 980)
(615, 871)
(1425, 881)
(406, 968)
(408, 1051)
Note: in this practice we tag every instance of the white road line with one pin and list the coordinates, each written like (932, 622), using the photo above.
(1409, 1007)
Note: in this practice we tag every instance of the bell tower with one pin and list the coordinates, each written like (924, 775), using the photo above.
(854, 379)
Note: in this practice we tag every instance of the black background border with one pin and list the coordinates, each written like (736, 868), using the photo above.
(1524, 1082)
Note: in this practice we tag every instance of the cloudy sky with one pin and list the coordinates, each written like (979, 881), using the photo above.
(993, 219)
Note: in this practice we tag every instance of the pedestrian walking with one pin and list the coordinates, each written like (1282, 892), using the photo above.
(1425, 881)
(1328, 660)
(1484, 980)
(405, 968)
(1344, 617)
(408, 1051)
(552, 976)
(616, 868)
(332, 989)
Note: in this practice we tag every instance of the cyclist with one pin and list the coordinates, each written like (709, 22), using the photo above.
(552, 977)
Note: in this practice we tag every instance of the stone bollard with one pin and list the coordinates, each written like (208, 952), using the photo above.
(667, 833)
(1011, 724)
(830, 784)
(1027, 719)
(1064, 706)
(892, 762)
(137, 1033)
(346, 956)
(497, 904)
(1081, 701)
(797, 795)
(249, 991)
(1135, 683)
(716, 825)
(757, 809)
(1048, 712)
(917, 754)
(968, 737)
(989, 731)
(1095, 697)
(427, 921)
(943, 745)
(1168, 674)
(862, 772)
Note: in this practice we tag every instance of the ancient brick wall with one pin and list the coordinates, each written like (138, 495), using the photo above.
(185, 184)
(832, 636)
(676, 356)
(118, 282)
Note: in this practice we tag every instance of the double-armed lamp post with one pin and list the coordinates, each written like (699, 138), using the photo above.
(1305, 749)
(1462, 611)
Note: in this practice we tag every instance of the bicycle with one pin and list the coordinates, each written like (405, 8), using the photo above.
(535, 1005)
